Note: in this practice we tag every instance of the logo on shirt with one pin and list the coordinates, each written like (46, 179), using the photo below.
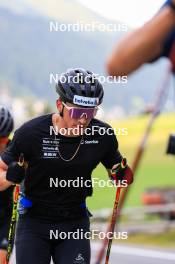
(49, 148)
(89, 142)
(79, 260)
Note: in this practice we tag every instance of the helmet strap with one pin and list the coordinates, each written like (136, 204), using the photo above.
(61, 113)
(58, 102)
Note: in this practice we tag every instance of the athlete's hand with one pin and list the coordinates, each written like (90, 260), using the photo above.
(121, 172)
(16, 171)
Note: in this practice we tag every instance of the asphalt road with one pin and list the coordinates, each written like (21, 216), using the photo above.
(134, 255)
(130, 255)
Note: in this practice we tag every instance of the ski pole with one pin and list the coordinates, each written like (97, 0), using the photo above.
(12, 224)
(161, 97)
(122, 166)
(113, 221)
(14, 216)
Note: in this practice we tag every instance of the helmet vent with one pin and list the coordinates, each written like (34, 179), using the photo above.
(73, 89)
(86, 85)
(83, 92)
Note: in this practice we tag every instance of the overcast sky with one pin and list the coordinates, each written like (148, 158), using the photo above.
(132, 12)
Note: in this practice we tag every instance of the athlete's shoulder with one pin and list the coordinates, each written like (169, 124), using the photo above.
(30, 126)
(38, 120)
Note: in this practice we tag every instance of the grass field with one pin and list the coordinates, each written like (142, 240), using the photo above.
(165, 241)
(155, 169)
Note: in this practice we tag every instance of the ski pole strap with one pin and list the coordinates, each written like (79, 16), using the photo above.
(25, 202)
(83, 205)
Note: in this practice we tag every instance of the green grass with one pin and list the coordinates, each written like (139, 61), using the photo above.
(155, 169)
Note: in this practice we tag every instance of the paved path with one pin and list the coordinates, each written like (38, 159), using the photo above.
(131, 255)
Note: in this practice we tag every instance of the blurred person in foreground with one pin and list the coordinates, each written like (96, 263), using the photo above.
(146, 44)
(6, 196)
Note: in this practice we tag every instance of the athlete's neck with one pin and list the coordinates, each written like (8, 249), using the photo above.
(60, 126)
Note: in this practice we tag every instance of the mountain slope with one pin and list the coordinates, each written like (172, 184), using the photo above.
(29, 53)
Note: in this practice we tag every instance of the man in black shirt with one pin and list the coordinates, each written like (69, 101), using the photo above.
(61, 151)
(6, 197)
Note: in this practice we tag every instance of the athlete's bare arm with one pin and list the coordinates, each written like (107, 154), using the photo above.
(141, 45)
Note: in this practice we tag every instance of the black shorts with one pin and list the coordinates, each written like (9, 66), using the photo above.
(38, 241)
(4, 231)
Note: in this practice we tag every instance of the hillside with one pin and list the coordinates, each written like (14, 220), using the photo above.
(29, 52)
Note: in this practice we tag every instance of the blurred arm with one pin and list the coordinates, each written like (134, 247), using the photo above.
(141, 45)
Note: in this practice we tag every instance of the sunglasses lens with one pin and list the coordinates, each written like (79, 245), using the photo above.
(79, 112)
